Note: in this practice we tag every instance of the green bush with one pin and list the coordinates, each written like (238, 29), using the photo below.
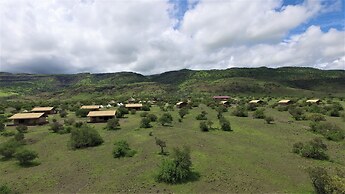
(203, 126)
(145, 108)
(69, 121)
(143, 114)
(56, 127)
(26, 156)
(145, 123)
(2, 126)
(324, 183)
(81, 112)
(313, 149)
(328, 130)
(259, 114)
(297, 113)
(166, 118)
(177, 169)
(85, 136)
(240, 111)
(22, 128)
(182, 112)
(161, 144)
(225, 124)
(113, 124)
(8, 133)
(122, 149)
(152, 117)
(19, 137)
(251, 107)
(63, 113)
(8, 149)
(202, 116)
(269, 119)
(316, 117)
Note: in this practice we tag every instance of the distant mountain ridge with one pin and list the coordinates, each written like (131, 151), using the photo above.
(240, 81)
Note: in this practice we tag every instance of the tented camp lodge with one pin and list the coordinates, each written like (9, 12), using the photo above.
(224, 103)
(313, 101)
(101, 116)
(181, 104)
(45, 110)
(284, 102)
(134, 106)
(91, 107)
(224, 98)
(28, 119)
(256, 102)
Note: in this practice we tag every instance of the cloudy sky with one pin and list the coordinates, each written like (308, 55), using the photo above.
(153, 36)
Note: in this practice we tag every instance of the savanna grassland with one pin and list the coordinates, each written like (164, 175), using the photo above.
(253, 158)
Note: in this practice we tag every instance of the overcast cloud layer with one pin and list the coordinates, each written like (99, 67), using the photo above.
(70, 36)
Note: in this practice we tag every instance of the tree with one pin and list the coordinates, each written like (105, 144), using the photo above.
(8, 149)
(225, 124)
(297, 113)
(161, 144)
(22, 128)
(240, 111)
(316, 117)
(328, 130)
(324, 183)
(145, 107)
(269, 119)
(26, 156)
(202, 116)
(122, 149)
(63, 113)
(145, 123)
(85, 136)
(203, 126)
(81, 112)
(182, 112)
(19, 137)
(259, 113)
(166, 118)
(177, 169)
(209, 124)
(313, 149)
(113, 124)
(56, 127)
(152, 117)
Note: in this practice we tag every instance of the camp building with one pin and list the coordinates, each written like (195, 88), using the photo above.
(28, 119)
(45, 110)
(256, 102)
(91, 107)
(181, 104)
(101, 116)
(224, 103)
(284, 102)
(314, 101)
(134, 106)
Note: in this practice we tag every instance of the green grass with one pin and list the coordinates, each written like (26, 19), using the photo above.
(254, 158)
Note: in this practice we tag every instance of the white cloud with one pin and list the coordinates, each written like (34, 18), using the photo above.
(105, 36)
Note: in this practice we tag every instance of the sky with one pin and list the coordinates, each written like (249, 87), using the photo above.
(154, 36)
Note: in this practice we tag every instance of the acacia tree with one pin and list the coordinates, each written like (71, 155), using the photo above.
(161, 144)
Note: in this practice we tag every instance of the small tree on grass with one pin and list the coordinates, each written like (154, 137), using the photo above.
(259, 114)
(240, 111)
(328, 130)
(166, 118)
(19, 137)
(56, 127)
(22, 128)
(26, 157)
(63, 113)
(152, 117)
(269, 119)
(85, 136)
(145, 123)
(161, 144)
(182, 112)
(113, 124)
(8, 149)
(122, 149)
(202, 116)
(297, 113)
(316, 117)
(177, 169)
(145, 107)
(313, 149)
(81, 112)
(225, 124)
(203, 126)
(209, 124)
(325, 183)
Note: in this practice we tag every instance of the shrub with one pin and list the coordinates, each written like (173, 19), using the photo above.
(225, 125)
(297, 113)
(56, 127)
(313, 149)
(203, 126)
(145, 123)
(269, 119)
(8, 133)
(329, 130)
(333, 113)
(145, 108)
(122, 149)
(4, 189)
(81, 112)
(166, 118)
(282, 108)
(323, 183)
(113, 124)
(240, 112)
(26, 156)
(316, 117)
(251, 107)
(177, 169)
(85, 136)
(202, 116)
(222, 109)
(19, 137)
(161, 144)
(63, 113)
(69, 121)
(182, 112)
(8, 149)
(259, 114)
(2, 126)
(152, 117)
(22, 128)
(144, 114)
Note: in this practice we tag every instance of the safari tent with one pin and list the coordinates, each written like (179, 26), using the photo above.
(91, 107)
(28, 119)
(101, 116)
(181, 104)
(134, 106)
(313, 101)
(45, 110)
(256, 102)
(284, 102)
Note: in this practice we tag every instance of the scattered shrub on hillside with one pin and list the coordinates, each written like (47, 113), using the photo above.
(269, 119)
(144, 114)
(324, 183)
(56, 127)
(329, 130)
(113, 124)
(19, 137)
(202, 116)
(133, 111)
(282, 108)
(209, 124)
(26, 157)
(8, 149)
(333, 113)
(22, 128)
(182, 112)
(316, 117)
(222, 109)
(4, 189)
(203, 126)
(145, 123)
(251, 107)
(81, 112)
(121, 111)
(152, 117)
(166, 118)
(177, 169)
(146, 108)
(122, 149)
(225, 124)
(85, 137)
(313, 149)
(297, 113)
(161, 144)
(8, 133)
(240, 112)
(63, 113)
(259, 114)
(2, 126)
(69, 121)
(78, 124)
